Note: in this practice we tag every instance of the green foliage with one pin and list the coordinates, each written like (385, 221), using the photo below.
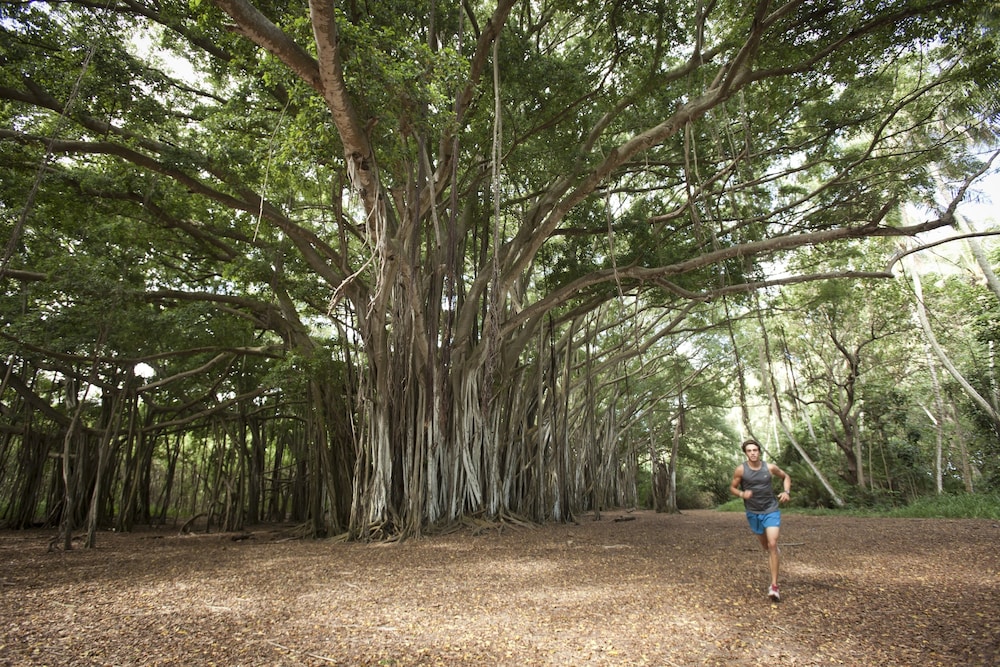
(690, 495)
(808, 491)
(959, 506)
(732, 505)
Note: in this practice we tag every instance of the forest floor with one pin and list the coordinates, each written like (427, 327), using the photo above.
(630, 589)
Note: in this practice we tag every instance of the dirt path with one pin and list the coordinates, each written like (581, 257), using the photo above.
(653, 590)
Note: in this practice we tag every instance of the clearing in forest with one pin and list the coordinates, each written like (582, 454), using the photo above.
(634, 588)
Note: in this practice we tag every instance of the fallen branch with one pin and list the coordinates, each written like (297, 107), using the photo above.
(187, 524)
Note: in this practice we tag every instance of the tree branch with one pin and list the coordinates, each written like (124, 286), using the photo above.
(259, 29)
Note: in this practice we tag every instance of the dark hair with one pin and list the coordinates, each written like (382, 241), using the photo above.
(747, 443)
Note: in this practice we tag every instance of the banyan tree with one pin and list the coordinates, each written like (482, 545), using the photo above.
(391, 264)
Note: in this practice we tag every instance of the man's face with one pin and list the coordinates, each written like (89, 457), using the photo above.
(753, 453)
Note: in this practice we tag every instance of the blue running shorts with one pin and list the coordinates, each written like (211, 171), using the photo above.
(758, 522)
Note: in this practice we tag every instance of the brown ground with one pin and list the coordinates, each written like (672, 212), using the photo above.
(653, 590)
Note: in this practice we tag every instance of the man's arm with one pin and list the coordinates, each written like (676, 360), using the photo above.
(734, 487)
(786, 484)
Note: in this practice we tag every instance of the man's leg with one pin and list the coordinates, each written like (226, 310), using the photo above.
(769, 541)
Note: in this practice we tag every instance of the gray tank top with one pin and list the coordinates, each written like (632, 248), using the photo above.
(763, 500)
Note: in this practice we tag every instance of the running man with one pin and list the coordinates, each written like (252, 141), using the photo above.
(752, 483)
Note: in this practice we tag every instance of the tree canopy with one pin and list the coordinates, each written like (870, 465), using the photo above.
(391, 264)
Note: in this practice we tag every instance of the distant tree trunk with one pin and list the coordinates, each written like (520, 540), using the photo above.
(674, 449)
(275, 504)
(981, 259)
(130, 477)
(740, 374)
(215, 474)
(661, 486)
(9, 441)
(564, 510)
(299, 491)
(659, 479)
(841, 401)
(318, 463)
(939, 409)
(968, 472)
(66, 524)
(32, 448)
(29, 476)
(240, 476)
(770, 385)
(921, 311)
(172, 455)
(112, 424)
(228, 496)
(74, 461)
(592, 456)
(255, 473)
(201, 482)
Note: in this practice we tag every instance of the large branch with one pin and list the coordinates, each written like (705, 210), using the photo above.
(208, 412)
(660, 275)
(146, 9)
(563, 196)
(921, 307)
(331, 76)
(733, 75)
(325, 75)
(357, 147)
(125, 362)
(191, 372)
(477, 65)
(314, 250)
(33, 399)
(37, 96)
(863, 30)
(23, 276)
(259, 29)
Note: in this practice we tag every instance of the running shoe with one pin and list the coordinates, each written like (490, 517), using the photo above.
(773, 593)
